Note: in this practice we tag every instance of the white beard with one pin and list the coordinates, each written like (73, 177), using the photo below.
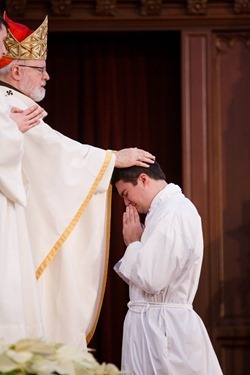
(37, 94)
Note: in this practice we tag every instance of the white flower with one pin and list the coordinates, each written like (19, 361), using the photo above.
(41, 358)
(3, 347)
(6, 364)
(72, 353)
(43, 366)
(83, 360)
(112, 369)
(19, 357)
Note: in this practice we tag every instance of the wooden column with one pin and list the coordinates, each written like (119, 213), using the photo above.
(215, 130)
(195, 120)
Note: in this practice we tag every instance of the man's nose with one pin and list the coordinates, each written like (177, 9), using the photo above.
(126, 201)
(46, 75)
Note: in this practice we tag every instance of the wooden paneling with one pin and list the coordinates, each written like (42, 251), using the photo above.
(230, 156)
(216, 155)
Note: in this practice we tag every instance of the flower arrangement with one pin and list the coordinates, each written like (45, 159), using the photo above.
(37, 357)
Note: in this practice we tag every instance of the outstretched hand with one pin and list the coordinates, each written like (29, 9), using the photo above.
(129, 157)
(28, 118)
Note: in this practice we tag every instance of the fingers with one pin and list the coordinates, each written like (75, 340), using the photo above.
(34, 113)
(131, 215)
(133, 156)
(144, 158)
(144, 163)
(16, 110)
(31, 109)
(33, 122)
(31, 114)
(132, 228)
(28, 118)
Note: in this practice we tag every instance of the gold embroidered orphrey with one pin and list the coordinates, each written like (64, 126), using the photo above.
(34, 47)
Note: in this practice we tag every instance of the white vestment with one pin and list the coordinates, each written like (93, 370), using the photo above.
(54, 221)
(162, 334)
(19, 304)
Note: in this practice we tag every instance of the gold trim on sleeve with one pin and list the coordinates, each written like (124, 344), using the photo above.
(90, 333)
(52, 253)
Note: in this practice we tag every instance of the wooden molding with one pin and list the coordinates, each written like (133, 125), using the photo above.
(106, 7)
(242, 6)
(197, 6)
(132, 15)
(224, 42)
(151, 7)
(16, 7)
(60, 7)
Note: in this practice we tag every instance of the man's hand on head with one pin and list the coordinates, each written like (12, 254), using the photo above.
(129, 157)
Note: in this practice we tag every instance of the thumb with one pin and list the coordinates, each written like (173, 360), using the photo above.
(16, 110)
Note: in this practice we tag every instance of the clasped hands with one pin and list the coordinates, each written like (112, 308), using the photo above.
(132, 226)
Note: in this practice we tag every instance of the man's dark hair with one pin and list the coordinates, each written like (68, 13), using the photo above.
(131, 174)
(4, 23)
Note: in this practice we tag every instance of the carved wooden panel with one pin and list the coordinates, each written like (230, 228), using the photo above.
(197, 6)
(61, 7)
(151, 7)
(16, 7)
(242, 6)
(106, 7)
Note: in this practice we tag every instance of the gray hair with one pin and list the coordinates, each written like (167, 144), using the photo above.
(5, 71)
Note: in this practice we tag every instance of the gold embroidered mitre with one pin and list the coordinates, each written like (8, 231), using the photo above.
(25, 44)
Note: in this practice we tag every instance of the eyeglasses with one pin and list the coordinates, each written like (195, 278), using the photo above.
(41, 69)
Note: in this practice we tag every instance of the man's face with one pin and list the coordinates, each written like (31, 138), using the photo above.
(136, 195)
(3, 34)
(33, 78)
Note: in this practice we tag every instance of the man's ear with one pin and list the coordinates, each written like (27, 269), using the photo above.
(15, 72)
(143, 178)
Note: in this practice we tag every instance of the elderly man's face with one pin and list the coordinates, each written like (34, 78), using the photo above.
(33, 78)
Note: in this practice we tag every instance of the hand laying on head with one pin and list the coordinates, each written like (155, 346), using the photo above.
(28, 118)
(127, 157)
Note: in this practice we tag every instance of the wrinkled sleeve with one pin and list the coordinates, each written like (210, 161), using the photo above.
(151, 264)
(11, 146)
